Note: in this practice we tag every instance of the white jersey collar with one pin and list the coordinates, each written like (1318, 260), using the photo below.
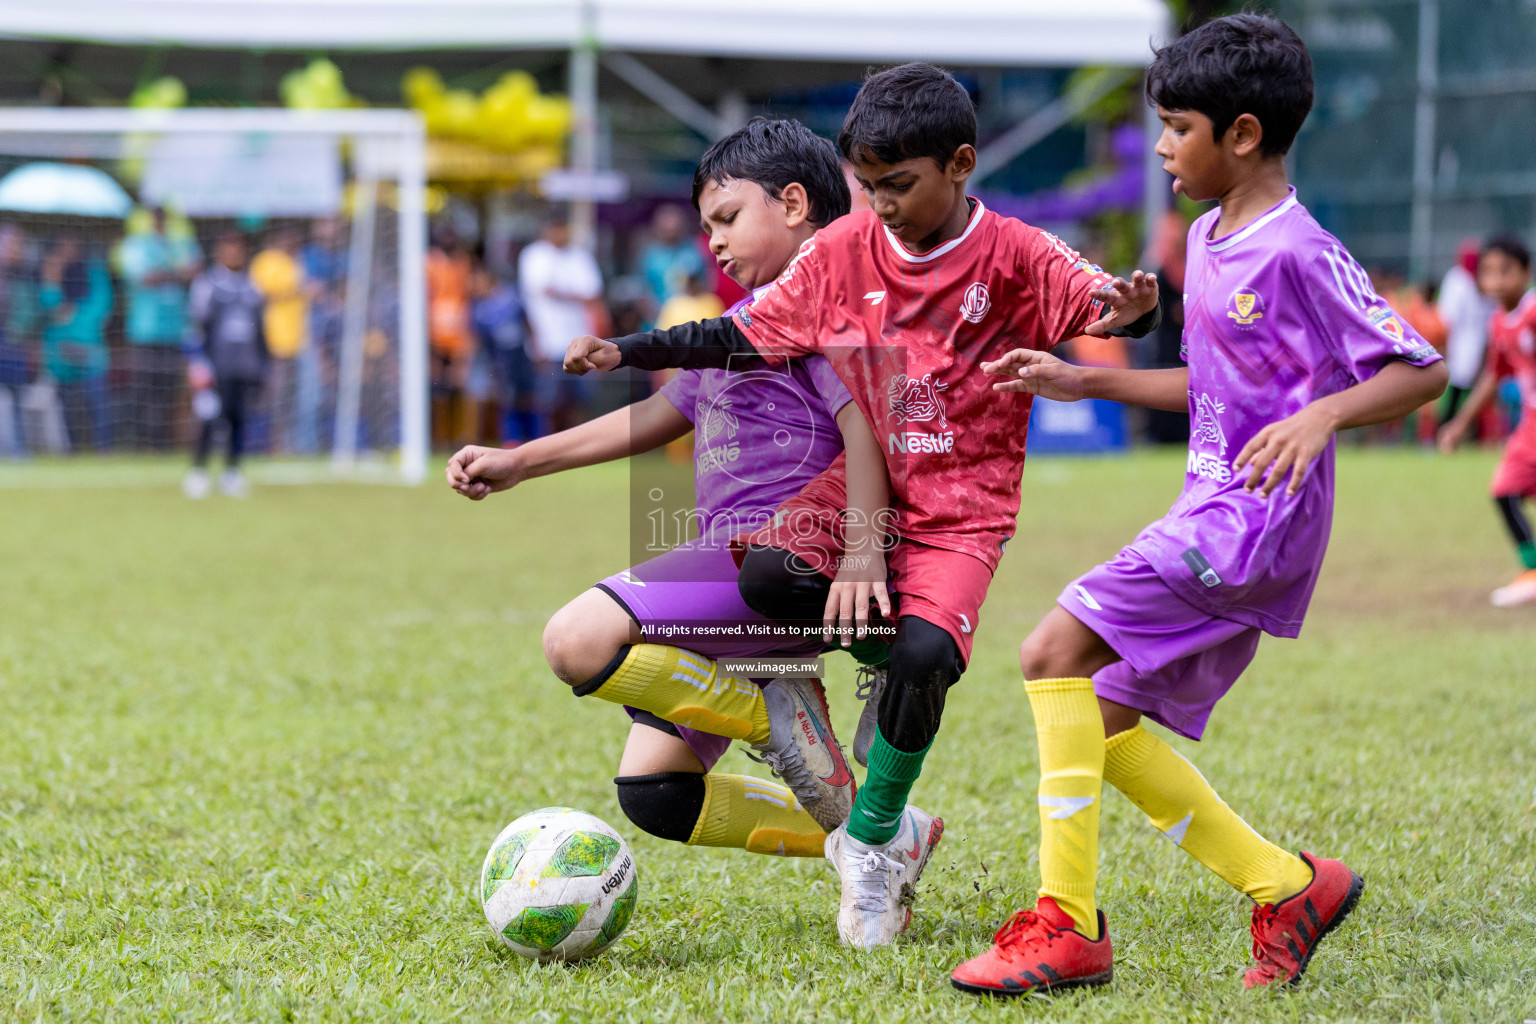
(938, 251)
(1280, 209)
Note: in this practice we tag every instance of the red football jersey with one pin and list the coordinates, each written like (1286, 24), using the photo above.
(907, 334)
(1512, 353)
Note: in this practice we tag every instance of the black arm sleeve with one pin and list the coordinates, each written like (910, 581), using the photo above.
(1145, 325)
(704, 344)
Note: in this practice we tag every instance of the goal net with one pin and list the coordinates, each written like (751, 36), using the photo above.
(109, 218)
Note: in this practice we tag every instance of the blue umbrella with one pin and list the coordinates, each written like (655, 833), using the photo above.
(68, 189)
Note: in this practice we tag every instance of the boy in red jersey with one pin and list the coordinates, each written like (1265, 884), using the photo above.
(1504, 272)
(905, 301)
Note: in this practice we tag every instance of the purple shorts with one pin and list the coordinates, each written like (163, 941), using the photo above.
(696, 582)
(1178, 660)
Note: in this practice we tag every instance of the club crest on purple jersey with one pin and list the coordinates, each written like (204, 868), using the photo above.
(1245, 306)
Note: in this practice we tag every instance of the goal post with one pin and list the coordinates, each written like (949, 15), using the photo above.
(276, 175)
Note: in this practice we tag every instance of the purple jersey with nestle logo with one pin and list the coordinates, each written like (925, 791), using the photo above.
(759, 435)
(1278, 315)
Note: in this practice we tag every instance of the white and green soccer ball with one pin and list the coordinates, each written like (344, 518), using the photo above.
(559, 884)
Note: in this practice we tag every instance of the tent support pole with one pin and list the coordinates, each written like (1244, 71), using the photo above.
(665, 95)
(1155, 188)
(1002, 150)
(583, 92)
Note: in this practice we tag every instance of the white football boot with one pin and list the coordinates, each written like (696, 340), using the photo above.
(232, 484)
(880, 882)
(869, 686)
(802, 750)
(195, 484)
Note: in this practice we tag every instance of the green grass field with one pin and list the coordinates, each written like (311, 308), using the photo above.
(255, 751)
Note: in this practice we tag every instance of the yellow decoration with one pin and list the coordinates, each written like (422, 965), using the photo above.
(164, 93)
(318, 86)
(511, 116)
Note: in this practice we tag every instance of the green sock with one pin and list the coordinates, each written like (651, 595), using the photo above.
(1528, 554)
(870, 652)
(876, 814)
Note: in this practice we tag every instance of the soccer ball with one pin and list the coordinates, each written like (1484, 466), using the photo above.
(558, 884)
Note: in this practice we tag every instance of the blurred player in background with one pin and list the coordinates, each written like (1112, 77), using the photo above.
(1504, 271)
(1464, 310)
(762, 191)
(1286, 344)
(227, 360)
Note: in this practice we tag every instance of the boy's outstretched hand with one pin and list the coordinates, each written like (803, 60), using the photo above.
(1125, 302)
(590, 353)
(1038, 373)
(477, 472)
(1288, 446)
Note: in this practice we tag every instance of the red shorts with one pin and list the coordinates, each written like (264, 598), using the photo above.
(1516, 475)
(940, 586)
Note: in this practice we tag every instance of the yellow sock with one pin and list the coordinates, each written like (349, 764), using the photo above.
(761, 817)
(684, 688)
(1071, 740)
(1184, 807)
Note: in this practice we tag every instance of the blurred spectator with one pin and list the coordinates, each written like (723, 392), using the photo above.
(75, 293)
(1417, 308)
(1465, 312)
(694, 302)
(18, 338)
(502, 327)
(228, 360)
(671, 257)
(294, 380)
(452, 339)
(562, 289)
(156, 265)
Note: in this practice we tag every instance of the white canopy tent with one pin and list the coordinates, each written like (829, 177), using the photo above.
(1011, 33)
(976, 33)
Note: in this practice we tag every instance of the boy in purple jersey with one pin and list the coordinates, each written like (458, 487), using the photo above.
(1286, 344)
(760, 437)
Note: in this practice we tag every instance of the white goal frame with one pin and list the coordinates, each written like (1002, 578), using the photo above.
(398, 135)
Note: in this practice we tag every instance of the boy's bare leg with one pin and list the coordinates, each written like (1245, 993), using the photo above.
(584, 636)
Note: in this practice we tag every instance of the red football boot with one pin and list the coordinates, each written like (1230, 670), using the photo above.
(1286, 934)
(1037, 951)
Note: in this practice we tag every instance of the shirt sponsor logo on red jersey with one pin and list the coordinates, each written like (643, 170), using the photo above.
(1245, 306)
(917, 400)
(976, 304)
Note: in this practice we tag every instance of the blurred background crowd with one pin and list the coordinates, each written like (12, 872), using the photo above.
(101, 334)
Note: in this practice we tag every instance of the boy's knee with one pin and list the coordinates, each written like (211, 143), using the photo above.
(664, 804)
(1040, 656)
(767, 582)
(561, 648)
(927, 653)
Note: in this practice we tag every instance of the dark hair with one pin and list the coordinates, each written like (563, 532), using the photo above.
(1240, 64)
(232, 236)
(1510, 246)
(907, 112)
(773, 155)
